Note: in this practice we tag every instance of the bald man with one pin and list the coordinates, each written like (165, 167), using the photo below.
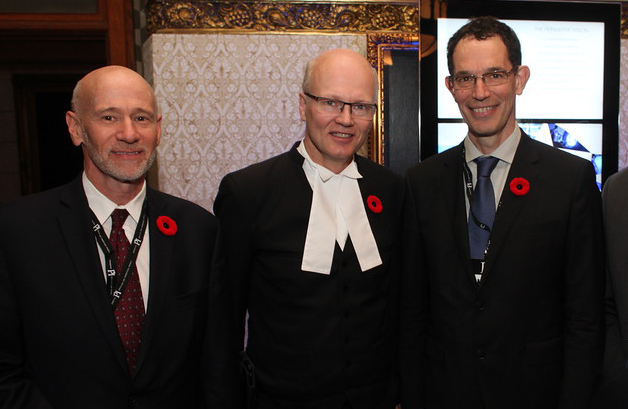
(111, 293)
(311, 237)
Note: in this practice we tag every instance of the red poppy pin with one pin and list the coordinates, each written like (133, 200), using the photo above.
(166, 225)
(374, 204)
(520, 186)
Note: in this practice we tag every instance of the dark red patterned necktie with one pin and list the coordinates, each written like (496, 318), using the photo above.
(130, 310)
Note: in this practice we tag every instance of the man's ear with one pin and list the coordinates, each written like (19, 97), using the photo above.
(302, 105)
(522, 76)
(158, 129)
(74, 128)
(449, 84)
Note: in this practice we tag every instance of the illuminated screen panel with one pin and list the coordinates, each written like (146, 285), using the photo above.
(566, 60)
(571, 100)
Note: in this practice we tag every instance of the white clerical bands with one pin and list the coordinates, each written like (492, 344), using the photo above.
(337, 211)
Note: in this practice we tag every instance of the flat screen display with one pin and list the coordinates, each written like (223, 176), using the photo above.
(571, 100)
(566, 60)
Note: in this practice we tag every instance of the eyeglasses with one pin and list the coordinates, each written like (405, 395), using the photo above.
(493, 78)
(359, 110)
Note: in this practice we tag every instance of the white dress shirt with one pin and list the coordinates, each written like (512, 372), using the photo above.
(102, 208)
(504, 152)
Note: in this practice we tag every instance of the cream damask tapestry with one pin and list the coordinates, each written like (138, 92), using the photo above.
(623, 106)
(228, 101)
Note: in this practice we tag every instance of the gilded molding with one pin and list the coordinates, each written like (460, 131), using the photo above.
(624, 20)
(348, 17)
(374, 40)
(377, 44)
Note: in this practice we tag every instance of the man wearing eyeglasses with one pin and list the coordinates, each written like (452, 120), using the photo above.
(312, 253)
(502, 284)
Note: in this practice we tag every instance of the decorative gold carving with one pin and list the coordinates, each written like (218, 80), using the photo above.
(276, 16)
(375, 40)
(624, 20)
(378, 46)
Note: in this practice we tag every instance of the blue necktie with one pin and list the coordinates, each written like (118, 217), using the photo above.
(483, 207)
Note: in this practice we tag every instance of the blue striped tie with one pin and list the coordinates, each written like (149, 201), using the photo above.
(483, 207)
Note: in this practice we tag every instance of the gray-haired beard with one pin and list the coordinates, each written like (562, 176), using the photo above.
(109, 169)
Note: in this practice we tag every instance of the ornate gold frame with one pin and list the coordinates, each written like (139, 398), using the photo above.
(378, 44)
(347, 16)
(624, 20)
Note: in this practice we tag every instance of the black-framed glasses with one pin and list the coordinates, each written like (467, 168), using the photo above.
(491, 78)
(359, 110)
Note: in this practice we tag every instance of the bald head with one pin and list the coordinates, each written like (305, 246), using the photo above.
(102, 79)
(336, 61)
(114, 119)
(341, 79)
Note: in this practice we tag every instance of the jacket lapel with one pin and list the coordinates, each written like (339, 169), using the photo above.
(453, 191)
(74, 220)
(161, 253)
(525, 165)
(369, 185)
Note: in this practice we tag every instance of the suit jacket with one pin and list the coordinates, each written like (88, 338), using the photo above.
(314, 339)
(60, 346)
(530, 335)
(612, 391)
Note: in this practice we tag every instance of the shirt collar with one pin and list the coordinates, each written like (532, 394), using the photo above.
(102, 206)
(504, 152)
(310, 167)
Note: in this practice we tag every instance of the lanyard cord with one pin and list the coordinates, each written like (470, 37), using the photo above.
(116, 287)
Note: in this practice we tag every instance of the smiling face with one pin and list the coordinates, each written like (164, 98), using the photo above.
(331, 140)
(117, 125)
(488, 111)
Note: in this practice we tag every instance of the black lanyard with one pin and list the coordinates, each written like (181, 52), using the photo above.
(116, 287)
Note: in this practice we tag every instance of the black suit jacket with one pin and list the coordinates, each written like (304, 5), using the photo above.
(612, 391)
(60, 347)
(530, 335)
(315, 339)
